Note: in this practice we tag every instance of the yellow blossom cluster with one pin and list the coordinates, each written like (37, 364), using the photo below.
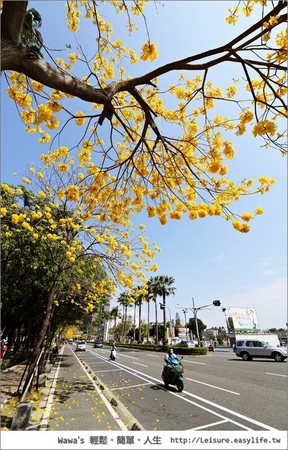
(264, 127)
(44, 224)
(168, 177)
(149, 51)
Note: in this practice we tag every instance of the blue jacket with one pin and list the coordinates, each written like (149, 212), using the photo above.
(169, 359)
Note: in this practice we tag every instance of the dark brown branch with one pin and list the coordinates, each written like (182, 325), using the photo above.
(16, 56)
(12, 19)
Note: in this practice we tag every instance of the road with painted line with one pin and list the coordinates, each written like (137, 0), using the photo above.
(221, 391)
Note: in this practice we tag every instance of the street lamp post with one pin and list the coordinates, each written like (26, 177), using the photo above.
(170, 324)
(164, 306)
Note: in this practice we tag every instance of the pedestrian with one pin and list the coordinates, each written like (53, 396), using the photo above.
(4, 348)
(55, 349)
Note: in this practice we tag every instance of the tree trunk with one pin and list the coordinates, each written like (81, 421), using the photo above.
(148, 319)
(45, 325)
(140, 333)
(156, 321)
(42, 334)
(134, 323)
(164, 320)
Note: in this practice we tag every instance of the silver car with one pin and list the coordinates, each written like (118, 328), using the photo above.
(81, 346)
(247, 349)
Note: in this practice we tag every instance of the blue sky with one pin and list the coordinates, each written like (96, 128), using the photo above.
(208, 258)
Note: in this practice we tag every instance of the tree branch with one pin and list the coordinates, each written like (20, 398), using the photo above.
(12, 19)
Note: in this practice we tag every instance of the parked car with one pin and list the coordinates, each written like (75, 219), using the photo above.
(247, 349)
(98, 343)
(81, 346)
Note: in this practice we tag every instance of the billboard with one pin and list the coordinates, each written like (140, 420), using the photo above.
(241, 319)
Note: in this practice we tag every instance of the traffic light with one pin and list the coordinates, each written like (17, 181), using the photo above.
(216, 303)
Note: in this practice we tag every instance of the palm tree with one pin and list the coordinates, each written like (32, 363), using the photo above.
(138, 298)
(124, 300)
(153, 291)
(163, 288)
(114, 313)
(134, 323)
(148, 297)
(139, 303)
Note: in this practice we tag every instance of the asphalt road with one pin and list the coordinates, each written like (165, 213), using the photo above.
(221, 392)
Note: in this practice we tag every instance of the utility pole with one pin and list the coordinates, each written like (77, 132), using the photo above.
(164, 306)
(195, 311)
(185, 312)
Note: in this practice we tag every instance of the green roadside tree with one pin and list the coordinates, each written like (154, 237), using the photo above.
(192, 327)
(56, 248)
(29, 269)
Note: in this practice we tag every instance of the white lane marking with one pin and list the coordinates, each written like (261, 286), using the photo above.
(105, 401)
(131, 386)
(154, 356)
(96, 363)
(109, 370)
(47, 411)
(219, 407)
(214, 387)
(196, 397)
(276, 374)
(126, 356)
(138, 364)
(208, 425)
(194, 362)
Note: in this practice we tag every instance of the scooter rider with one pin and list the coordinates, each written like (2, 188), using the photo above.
(169, 358)
(113, 352)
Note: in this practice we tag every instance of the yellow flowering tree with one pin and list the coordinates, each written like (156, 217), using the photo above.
(63, 252)
(142, 165)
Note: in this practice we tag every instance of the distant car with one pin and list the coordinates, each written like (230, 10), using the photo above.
(186, 344)
(247, 349)
(98, 343)
(81, 346)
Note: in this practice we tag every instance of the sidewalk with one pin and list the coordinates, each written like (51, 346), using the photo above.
(10, 379)
(70, 398)
(74, 400)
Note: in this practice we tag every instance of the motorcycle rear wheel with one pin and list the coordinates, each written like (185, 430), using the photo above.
(180, 386)
(166, 384)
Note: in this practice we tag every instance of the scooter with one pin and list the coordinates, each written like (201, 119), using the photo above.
(113, 355)
(173, 374)
(211, 348)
